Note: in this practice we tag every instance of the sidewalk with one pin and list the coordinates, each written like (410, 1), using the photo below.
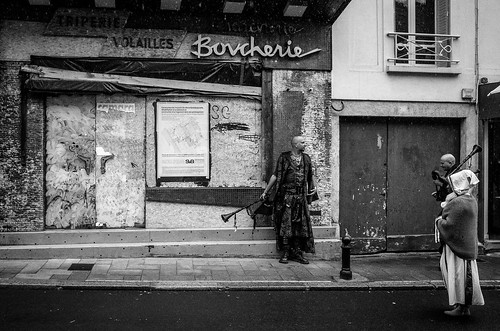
(370, 272)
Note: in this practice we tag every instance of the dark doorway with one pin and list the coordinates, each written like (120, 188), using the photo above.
(494, 179)
(489, 114)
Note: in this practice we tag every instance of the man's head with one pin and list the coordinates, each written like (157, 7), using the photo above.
(298, 143)
(447, 161)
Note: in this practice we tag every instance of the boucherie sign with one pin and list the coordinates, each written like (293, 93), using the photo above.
(204, 47)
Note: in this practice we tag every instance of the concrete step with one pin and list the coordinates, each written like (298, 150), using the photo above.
(326, 249)
(133, 243)
(135, 235)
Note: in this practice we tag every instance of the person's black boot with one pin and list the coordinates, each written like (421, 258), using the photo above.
(284, 257)
(297, 256)
(286, 254)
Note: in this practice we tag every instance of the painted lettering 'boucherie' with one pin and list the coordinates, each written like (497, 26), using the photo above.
(205, 48)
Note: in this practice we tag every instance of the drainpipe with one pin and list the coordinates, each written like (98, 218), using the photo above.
(484, 174)
(476, 51)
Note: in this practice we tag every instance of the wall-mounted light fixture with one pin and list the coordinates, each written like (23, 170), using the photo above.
(295, 8)
(39, 2)
(234, 6)
(105, 3)
(170, 5)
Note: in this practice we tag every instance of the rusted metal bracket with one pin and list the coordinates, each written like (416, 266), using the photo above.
(105, 159)
(86, 160)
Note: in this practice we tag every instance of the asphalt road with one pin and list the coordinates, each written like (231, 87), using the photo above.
(32, 309)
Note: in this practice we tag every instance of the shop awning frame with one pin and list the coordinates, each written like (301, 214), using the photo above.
(50, 76)
(179, 77)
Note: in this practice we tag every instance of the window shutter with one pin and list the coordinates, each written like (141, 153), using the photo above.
(442, 16)
(443, 27)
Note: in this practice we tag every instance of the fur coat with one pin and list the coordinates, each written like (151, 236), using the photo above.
(458, 226)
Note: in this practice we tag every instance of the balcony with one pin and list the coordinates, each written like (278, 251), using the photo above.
(423, 53)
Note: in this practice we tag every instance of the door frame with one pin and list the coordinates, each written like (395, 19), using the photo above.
(488, 108)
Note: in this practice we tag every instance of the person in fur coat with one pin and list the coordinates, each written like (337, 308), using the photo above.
(457, 231)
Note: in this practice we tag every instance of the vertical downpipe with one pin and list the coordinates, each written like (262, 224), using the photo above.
(476, 52)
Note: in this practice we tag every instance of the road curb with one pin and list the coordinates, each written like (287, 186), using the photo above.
(333, 285)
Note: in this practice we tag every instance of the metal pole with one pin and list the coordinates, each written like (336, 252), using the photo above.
(346, 272)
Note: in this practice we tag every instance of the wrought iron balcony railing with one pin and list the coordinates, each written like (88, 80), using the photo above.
(422, 50)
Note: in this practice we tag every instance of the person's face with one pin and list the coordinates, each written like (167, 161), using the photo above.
(445, 164)
(300, 144)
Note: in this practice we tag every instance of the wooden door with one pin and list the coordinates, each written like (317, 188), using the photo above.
(385, 180)
(415, 147)
(363, 169)
(120, 146)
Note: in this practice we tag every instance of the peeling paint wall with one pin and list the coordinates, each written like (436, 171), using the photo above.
(316, 127)
(235, 136)
(236, 161)
(70, 162)
(418, 131)
(85, 188)
(465, 112)
(120, 189)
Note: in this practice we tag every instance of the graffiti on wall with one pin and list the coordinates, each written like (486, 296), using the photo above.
(70, 163)
(220, 113)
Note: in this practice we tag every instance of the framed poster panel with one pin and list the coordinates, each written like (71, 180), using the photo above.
(182, 141)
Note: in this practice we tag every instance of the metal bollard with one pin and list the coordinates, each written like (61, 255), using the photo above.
(346, 272)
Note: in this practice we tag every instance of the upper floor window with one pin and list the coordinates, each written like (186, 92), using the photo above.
(422, 34)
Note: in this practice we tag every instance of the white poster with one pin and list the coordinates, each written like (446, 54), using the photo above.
(183, 145)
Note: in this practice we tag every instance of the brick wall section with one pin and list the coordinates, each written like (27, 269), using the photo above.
(21, 154)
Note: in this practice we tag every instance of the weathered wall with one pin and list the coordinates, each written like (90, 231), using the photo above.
(316, 127)
(20, 40)
(21, 155)
(70, 162)
(465, 112)
(236, 155)
(235, 162)
(120, 184)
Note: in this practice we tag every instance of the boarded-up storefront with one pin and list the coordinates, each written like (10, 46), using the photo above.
(141, 118)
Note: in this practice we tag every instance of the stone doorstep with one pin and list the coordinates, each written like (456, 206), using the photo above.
(327, 249)
(152, 236)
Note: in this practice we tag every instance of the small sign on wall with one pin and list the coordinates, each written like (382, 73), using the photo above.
(82, 22)
(123, 107)
(183, 140)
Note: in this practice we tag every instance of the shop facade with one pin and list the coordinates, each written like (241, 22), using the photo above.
(124, 118)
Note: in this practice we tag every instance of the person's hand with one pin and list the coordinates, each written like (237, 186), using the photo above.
(312, 191)
(263, 196)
